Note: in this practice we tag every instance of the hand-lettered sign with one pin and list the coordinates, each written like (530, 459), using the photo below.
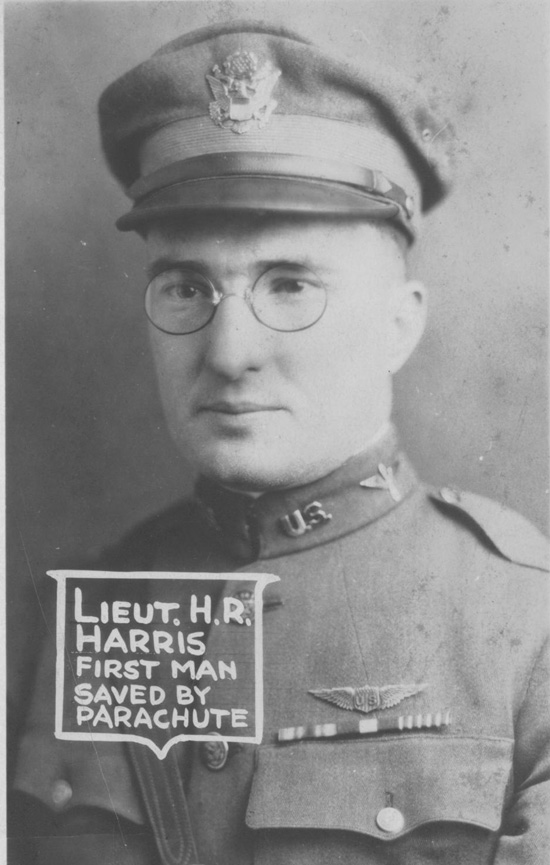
(133, 661)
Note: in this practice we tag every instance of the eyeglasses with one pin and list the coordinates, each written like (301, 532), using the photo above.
(285, 298)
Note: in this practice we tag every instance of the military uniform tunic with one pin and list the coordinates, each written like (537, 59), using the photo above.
(382, 583)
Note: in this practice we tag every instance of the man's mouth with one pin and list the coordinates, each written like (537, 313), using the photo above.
(232, 407)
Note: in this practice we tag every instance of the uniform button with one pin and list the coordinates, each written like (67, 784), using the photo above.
(452, 497)
(214, 754)
(390, 820)
(62, 792)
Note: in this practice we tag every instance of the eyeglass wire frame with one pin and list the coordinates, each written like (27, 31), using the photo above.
(217, 296)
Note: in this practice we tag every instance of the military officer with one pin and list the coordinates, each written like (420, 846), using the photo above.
(278, 189)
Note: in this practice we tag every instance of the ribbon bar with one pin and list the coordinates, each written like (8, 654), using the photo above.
(364, 727)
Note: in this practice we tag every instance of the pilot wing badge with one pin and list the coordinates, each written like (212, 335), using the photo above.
(242, 90)
(368, 698)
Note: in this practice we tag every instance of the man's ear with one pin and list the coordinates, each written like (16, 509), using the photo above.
(408, 319)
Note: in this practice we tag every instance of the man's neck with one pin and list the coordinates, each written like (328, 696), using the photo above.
(373, 442)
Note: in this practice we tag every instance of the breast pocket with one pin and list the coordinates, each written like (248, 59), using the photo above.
(381, 788)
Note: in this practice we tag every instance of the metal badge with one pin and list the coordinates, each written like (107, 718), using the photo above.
(301, 521)
(450, 495)
(368, 698)
(214, 754)
(384, 480)
(246, 597)
(390, 820)
(242, 92)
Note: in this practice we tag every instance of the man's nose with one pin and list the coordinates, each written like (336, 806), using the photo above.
(236, 340)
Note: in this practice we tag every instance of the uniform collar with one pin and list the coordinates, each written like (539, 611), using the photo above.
(282, 522)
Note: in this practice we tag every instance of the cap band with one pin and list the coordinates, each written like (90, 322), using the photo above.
(349, 147)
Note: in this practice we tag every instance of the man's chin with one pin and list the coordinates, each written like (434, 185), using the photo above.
(256, 469)
(246, 468)
(244, 476)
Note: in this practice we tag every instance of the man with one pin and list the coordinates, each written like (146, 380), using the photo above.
(277, 189)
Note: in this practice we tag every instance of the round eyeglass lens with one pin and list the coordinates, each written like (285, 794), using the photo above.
(288, 297)
(180, 301)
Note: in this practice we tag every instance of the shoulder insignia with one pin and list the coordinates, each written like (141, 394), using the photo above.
(513, 536)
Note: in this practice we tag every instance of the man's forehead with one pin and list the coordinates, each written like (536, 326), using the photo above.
(326, 240)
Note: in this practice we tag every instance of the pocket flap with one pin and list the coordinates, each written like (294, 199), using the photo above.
(345, 785)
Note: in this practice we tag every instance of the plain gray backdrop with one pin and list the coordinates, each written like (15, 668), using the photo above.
(88, 454)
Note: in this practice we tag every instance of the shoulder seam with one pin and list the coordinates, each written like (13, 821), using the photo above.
(509, 533)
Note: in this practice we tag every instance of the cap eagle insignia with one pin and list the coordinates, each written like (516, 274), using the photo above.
(369, 698)
(242, 91)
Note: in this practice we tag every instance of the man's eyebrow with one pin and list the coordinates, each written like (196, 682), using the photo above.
(159, 265)
(295, 261)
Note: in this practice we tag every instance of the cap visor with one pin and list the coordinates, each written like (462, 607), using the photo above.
(258, 193)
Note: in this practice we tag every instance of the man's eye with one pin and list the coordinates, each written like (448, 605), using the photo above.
(289, 286)
(180, 288)
(183, 290)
